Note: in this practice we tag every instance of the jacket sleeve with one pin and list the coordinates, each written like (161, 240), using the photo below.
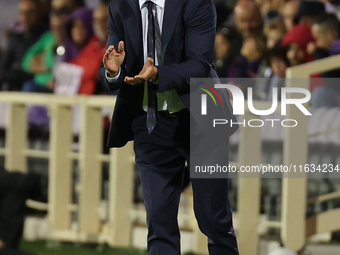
(115, 35)
(199, 41)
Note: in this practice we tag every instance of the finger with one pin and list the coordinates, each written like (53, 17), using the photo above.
(121, 47)
(109, 51)
(128, 79)
(106, 53)
(141, 77)
(110, 48)
(133, 80)
(128, 82)
(145, 75)
(151, 61)
(138, 78)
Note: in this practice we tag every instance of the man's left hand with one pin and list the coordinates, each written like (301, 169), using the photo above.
(149, 72)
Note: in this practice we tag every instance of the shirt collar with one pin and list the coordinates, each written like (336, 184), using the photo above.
(160, 3)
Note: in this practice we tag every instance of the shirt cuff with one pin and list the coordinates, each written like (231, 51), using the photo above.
(113, 79)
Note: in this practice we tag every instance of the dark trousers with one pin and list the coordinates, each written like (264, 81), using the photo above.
(161, 157)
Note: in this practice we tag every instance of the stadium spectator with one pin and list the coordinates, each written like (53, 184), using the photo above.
(39, 59)
(68, 6)
(327, 43)
(325, 31)
(79, 31)
(93, 51)
(279, 62)
(13, 77)
(248, 21)
(246, 65)
(296, 40)
(248, 17)
(223, 41)
(273, 74)
(274, 32)
(308, 12)
(288, 12)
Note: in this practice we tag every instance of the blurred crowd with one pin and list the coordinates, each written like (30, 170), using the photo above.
(56, 46)
(262, 38)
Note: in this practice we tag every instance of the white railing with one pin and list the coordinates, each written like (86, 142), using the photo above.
(295, 227)
(90, 160)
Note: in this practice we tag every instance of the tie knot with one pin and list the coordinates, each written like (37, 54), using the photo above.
(149, 4)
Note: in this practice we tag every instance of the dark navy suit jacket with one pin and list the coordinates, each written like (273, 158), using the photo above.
(188, 37)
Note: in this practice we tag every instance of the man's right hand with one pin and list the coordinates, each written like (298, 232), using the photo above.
(113, 59)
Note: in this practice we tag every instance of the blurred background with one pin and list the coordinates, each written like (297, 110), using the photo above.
(63, 191)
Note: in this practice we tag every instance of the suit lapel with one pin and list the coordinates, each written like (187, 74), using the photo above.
(134, 29)
(171, 13)
(134, 24)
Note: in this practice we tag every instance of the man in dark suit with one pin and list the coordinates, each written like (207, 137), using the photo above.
(154, 48)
